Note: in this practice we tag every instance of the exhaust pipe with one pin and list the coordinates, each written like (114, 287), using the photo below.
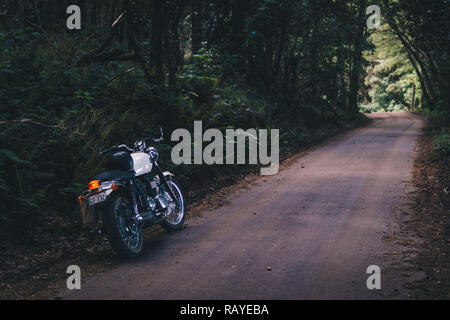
(149, 217)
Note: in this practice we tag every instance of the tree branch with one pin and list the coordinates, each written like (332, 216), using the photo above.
(40, 124)
(116, 76)
(92, 56)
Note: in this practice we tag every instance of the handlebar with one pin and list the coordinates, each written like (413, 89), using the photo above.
(126, 148)
(161, 138)
(114, 148)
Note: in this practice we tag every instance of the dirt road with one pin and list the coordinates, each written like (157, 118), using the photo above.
(309, 232)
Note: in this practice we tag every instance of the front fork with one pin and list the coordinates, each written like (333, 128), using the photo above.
(148, 216)
(162, 178)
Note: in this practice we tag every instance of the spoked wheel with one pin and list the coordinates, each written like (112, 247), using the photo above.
(176, 214)
(124, 233)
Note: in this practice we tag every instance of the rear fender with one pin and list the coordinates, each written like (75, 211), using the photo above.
(92, 215)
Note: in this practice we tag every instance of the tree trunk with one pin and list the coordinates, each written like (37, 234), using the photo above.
(239, 12)
(172, 42)
(413, 100)
(357, 58)
(157, 43)
(133, 43)
(418, 72)
(196, 25)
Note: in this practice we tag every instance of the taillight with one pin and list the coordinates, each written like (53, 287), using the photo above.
(94, 184)
(80, 199)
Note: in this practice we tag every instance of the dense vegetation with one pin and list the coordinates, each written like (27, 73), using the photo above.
(137, 65)
(409, 66)
(391, 81)
(424, 31)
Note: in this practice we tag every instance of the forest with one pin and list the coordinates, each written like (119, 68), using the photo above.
(305, 67)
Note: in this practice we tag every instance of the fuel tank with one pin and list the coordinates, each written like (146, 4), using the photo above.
(141, 163)
(120, 161)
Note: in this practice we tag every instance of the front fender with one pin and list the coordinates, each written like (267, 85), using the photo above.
(168, 174)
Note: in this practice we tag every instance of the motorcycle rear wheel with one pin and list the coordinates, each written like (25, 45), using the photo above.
(124, 234)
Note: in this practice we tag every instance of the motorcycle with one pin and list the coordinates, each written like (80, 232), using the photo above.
(135, 193)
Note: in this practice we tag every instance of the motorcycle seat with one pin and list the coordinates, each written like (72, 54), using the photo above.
(114, 175)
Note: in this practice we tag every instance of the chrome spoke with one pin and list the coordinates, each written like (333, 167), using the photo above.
(176, 206)
(130, 231)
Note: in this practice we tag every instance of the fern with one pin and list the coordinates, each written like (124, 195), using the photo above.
(10, 155)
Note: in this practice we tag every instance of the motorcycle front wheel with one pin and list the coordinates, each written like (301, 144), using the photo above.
(123, 232)
(176, 215)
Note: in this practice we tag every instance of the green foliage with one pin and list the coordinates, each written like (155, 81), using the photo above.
(21, 204)
(202, 64)
(442, 145)
(439, 117)
(440, 122)
(391, 81)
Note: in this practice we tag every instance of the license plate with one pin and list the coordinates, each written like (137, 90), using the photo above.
(97, 198)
